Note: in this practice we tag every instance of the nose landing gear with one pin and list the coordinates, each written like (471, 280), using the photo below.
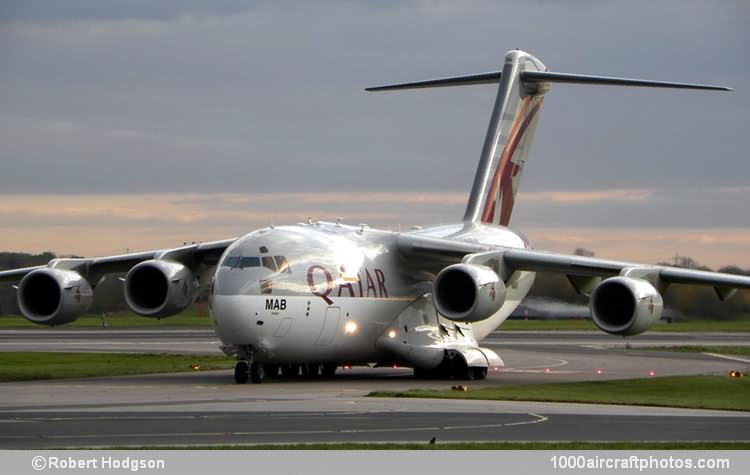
(244, 370)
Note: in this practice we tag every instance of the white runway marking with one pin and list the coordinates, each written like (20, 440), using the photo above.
(726, 357)
(540, 368)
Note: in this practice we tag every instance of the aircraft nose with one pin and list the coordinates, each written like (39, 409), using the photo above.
(236, 320)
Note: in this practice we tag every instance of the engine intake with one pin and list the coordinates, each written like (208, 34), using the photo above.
(158, 288)
(468, 293)
(53, 297)
(625, 306)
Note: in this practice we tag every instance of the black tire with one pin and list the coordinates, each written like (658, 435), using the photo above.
(241, 372)
(479, 372)
(256, 373)
(421, 373)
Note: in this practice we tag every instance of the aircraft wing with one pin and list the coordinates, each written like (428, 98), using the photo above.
(93, 269)
(583, 272)
(432, 254)
(577, 268)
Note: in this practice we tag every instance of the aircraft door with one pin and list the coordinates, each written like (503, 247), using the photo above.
(330, 326)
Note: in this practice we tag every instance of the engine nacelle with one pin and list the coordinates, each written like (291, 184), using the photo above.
(159, 288)
(625, 306)
(53, 297)
(468, 293)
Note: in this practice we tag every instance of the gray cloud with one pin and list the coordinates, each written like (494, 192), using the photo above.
(263, 96)
(45, 12)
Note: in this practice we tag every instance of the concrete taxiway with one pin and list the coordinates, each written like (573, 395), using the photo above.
(209, 408)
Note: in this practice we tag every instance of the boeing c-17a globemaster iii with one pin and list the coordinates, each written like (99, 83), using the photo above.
(313, 296)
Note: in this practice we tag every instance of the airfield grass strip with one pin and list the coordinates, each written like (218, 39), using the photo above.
(696, 392)
(190, 318)
(29, 366)
(721, 350)
(691, 445)
(741, 324)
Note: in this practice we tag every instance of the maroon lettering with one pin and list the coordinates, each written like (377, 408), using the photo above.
(347, 286)
(370, 284)
(381, 283)
(315, 290)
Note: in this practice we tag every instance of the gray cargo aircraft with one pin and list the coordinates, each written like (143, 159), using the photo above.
(310, 297)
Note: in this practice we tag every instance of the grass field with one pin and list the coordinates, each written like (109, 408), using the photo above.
(740, 325)
(26, 366)
(190, 318)
(698, 392)
(721, 350)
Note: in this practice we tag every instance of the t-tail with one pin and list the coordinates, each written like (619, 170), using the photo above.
(523, 82)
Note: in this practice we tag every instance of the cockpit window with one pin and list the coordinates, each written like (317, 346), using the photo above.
(282, 264)
(249, 262)
(233, 261)
(275, 263)
(269, 263)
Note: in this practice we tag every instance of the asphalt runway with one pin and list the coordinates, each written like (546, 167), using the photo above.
(208, 408)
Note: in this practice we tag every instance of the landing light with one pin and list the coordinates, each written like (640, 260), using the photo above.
(392, 334)
(652, 373)
(351, 328)
(599, 371)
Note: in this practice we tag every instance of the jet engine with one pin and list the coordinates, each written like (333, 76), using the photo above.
(468, 293)
(53, 297)
(158, 289)
(625, 306)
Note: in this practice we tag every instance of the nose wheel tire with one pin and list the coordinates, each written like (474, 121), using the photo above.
(241, 372)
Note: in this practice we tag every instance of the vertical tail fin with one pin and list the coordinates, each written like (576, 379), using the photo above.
(506, 146)
(523, 82)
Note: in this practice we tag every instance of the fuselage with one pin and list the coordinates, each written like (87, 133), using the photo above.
(324, 292)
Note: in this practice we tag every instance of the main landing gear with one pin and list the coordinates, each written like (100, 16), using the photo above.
(452, 368)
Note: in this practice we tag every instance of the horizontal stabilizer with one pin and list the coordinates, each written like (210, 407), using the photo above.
(546, 76)
(493, 77)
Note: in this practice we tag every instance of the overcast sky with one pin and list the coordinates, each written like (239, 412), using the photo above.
(138, 124)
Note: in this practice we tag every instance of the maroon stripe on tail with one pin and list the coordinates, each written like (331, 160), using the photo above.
(506, 170)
